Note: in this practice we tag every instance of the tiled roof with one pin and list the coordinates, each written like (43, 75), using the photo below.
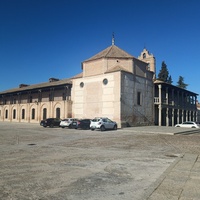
(78, 75)
(172, 86)
(117, 68)
(38, 86)
(111, 52)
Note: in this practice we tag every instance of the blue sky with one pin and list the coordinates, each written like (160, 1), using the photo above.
(40, 39)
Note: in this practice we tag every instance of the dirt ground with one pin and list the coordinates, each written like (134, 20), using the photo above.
(39, 163)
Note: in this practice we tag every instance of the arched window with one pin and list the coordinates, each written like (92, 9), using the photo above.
(6, 114)
(44, 113)
(23, 113)
(33, 113)
(14, 114)
(58, 113)
(144, 55)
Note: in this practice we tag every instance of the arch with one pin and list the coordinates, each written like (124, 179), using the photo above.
(44, 111)
(56, 110)
(14, 114)
(33, 113)
(5, 114)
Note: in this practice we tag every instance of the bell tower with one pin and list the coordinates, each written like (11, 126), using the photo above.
(150, 59)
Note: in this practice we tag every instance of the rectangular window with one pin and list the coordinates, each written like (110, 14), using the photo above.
(139, 99)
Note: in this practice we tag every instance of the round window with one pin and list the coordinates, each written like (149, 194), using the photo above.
(105, 81)
(81, 84)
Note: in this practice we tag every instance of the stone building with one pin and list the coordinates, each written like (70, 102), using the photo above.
(112, 84)
(117, 85)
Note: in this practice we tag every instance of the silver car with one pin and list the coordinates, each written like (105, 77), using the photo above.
(103, 124)
(188, 124)
(67, 122)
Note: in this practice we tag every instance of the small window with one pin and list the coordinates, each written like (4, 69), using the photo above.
(57, 112)
(105, 81)
(23, 113)
(44, 113)
(81, 84)
(33, 113)
(144, 55)
(139, 99)
(14, 114)
(6, 114)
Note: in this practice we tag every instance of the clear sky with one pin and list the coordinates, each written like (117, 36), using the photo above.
(40, 39)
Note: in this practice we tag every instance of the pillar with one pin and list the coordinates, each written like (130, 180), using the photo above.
(160, 106)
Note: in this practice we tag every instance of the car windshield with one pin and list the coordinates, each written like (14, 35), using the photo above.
(95, 119)
(66, 120)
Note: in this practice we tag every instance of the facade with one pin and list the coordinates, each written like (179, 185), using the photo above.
(112, 84)
(173, 105)
(32, 103)
(117, 85)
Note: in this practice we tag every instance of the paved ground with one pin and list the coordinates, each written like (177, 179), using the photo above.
(136, 163)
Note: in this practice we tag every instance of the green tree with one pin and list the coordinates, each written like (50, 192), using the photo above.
(181, 83)
(170, 80)
(163, 74)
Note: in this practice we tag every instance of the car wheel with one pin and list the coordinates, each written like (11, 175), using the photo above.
(70, 126)
(92, 129)
(102, 128)
(115, 127)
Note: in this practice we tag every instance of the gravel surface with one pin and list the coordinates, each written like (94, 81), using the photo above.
(65, 164)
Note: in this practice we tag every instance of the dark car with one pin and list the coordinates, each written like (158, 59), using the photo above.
(51, 122)
(42, 122)
(81, 124)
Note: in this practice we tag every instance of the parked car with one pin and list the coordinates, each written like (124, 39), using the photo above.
(42, 122)
(188, 124)
(51, 122)
(81, 124)
(103, 124)
(67, 122)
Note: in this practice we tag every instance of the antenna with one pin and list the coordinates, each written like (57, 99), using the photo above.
(113, 39)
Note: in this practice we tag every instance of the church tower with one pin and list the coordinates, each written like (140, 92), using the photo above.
(150, 59)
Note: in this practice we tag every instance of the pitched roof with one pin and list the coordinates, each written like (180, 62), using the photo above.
(38, 86)
(111, 52)
(117, 68)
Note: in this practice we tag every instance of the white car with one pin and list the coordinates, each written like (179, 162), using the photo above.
(102, 123)
(188, 124)
(67, 122)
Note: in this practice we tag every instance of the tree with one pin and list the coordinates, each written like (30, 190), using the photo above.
(181, 83)
(170, 80)
(163, 74)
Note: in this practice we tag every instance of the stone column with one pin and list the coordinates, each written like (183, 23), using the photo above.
(173, 117)
(167, 116)
(178, 116)
(182, 117)
(160, 106)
